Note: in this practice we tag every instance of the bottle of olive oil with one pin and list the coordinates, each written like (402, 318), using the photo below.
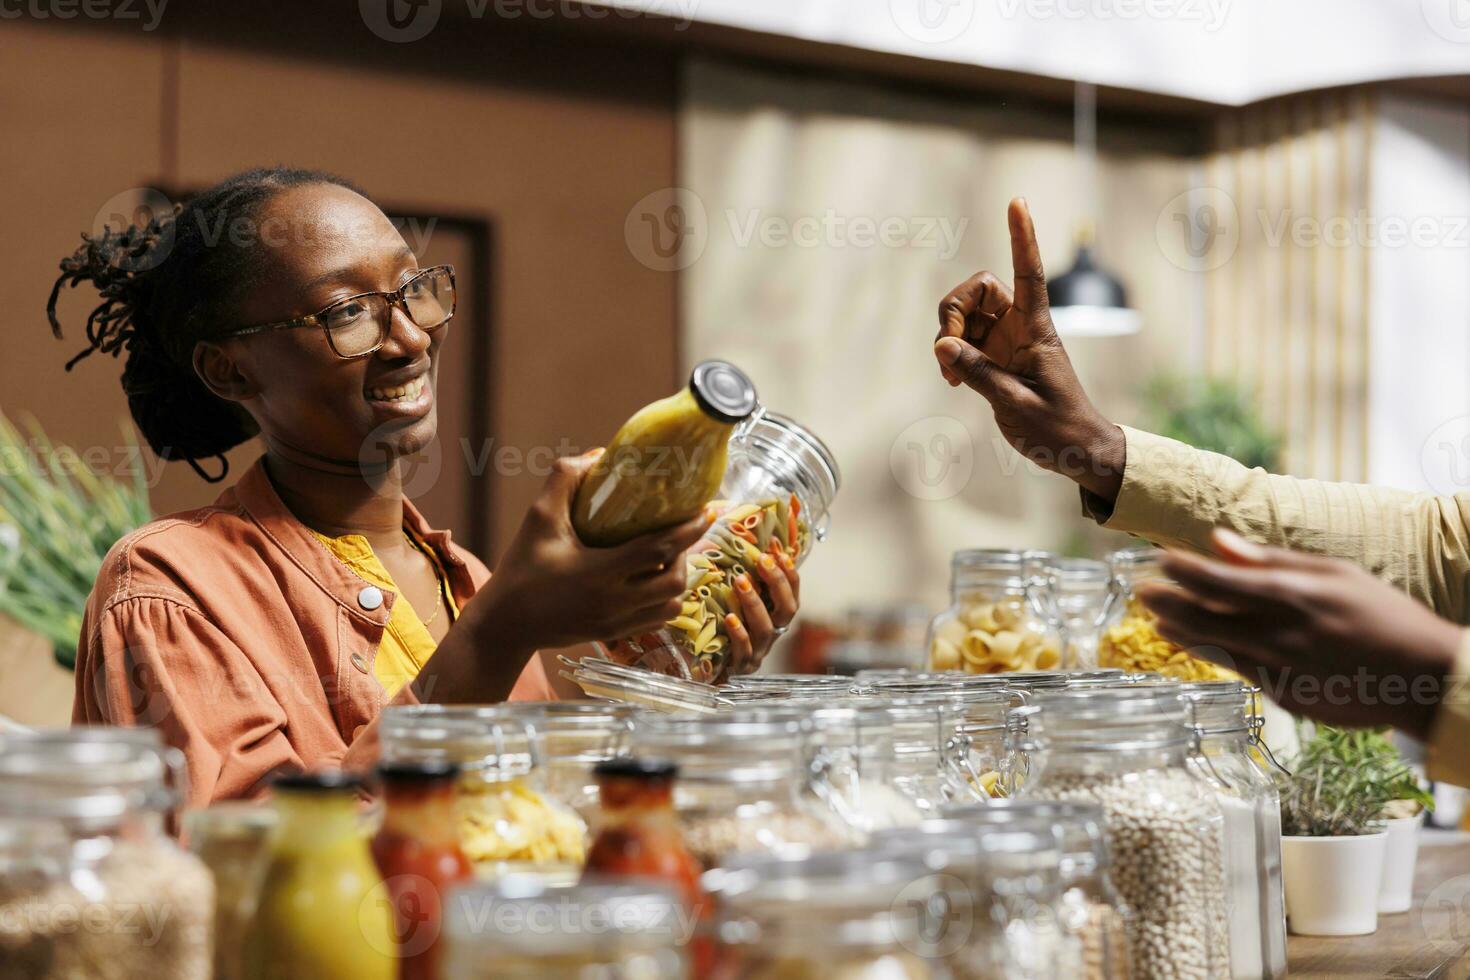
(667, 461)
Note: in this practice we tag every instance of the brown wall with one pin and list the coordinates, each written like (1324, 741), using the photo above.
(550, 137)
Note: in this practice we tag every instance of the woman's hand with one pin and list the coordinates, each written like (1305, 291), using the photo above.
(551, 590)
(753, 631)
(1323, 637)
(1003, 345)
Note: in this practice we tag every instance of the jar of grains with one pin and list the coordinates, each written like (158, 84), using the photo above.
(779, 485)
(508, 820)
(571, 738)
(995, 914)
(1128, 749)
(992, 624)
(1251, 807)
(233, 839)
(1130, 638)
(856, 915)
(82, 841)
(745, 782)
(596, 929)
(1090, 909)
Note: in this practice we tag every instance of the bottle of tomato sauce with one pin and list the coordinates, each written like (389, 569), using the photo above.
(639, 836)
(417, 851)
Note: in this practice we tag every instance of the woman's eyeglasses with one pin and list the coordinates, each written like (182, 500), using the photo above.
(359, 325)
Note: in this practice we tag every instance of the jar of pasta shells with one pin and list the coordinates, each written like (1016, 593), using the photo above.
(778, 488)
(1130, 637)
(508, 821)
(992, 624)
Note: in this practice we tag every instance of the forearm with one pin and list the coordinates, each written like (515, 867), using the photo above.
(1175, 496)
(480, 658)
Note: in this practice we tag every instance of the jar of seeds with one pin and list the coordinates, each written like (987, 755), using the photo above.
(1128, 749)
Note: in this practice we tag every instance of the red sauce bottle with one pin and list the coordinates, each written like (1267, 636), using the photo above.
(639, 836)
(417, 852)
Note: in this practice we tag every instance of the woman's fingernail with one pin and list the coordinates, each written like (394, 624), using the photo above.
(743, 583)
(768, 563)
(732, 622)
(787, 563)
(948, 350)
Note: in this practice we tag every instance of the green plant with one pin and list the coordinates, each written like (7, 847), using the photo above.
(1341, 782)
(1211, 414)
(57, 520)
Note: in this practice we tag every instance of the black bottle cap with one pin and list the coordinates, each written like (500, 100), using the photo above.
(636, 768)
(425, 771)
(722, 391)
(325, 780)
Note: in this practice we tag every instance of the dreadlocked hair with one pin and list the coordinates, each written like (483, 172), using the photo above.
(165, 285)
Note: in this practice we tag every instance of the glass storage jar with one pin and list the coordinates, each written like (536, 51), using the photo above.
(571, 738)
(930, 757)
(233, 840)
(1089, 908)
(508, 821)
(1130, 638)
(778, 489)
(1251, 807)
(1072, 596)
(992, 624)
(1128, 750)
(853, 763)
(856, 915)
(1001, 920)
(514, 930)
(82, 841)
(745, 783)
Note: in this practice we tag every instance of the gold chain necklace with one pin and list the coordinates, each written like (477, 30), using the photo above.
(438, 582)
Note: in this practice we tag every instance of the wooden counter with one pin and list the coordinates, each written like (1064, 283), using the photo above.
(1432, 940)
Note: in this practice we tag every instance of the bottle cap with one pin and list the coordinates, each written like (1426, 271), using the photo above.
(722, 391)
(637, 767)
(324, 780)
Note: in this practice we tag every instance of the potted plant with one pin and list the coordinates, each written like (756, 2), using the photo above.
(1334, 834)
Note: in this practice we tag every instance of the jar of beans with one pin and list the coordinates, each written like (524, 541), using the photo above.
(1128, 750)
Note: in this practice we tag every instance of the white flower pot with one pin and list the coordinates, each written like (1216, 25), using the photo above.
(1396, 893)
(1332, 883)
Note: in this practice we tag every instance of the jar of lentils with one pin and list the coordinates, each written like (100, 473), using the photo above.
(1128, 750)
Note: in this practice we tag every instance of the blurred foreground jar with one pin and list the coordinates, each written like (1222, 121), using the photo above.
(572, 737)
(930, 757)
(323, 910)
(1251, 807)
(508, 822)
(233, 839)
(992, 624)
(855, 915)
(778, 489)
(1089, 908)
(745, 783)
(82, 842)
(1128, 750)
(517, 930)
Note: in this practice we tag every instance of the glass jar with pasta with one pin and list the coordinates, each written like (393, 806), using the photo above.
(779, 484)
(992, 624)
(508, 822)
(1131, 640)
(571, 738)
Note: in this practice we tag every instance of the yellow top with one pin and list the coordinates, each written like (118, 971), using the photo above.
(407, 643)
(1174, 495)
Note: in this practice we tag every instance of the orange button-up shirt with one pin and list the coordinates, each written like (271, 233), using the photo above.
(234, 631)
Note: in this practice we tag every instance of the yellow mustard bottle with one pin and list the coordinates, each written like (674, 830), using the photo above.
(323, 911)
(667, 461)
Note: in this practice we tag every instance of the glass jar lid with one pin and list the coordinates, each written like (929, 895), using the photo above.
(772, 448)
(1096, 676)
(1219, 707)
(601, 678)
(1130, 563)
(1109, 718)
(1032, 681)
(578, 731)
(93, 777)
(482, 739)
(827, 683)
(519, 916)
(973, 568)
(740, 745)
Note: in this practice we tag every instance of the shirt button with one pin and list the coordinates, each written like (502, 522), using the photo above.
(359, 663)
(370, 597)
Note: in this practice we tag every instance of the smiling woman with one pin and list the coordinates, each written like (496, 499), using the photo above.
(269, 629)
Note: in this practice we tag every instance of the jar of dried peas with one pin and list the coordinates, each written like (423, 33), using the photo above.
(774, 501)
(993, 623)
(1130, 638)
